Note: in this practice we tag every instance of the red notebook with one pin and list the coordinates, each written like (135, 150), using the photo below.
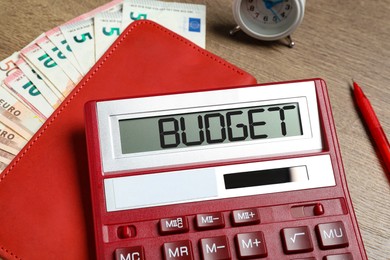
(44, 192)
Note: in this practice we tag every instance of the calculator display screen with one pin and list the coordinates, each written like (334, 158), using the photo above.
(209, 127)
(201, 128)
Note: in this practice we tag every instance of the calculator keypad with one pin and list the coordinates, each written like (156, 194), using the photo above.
(250, 243)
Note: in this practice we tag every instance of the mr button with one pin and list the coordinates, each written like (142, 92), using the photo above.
(180, 250)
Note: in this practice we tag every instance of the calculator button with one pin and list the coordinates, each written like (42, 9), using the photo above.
(181, 250)
(174, 225)
(332, 235)
(210, 221)
(133, 253)
(251, 245)
(339, 257)
(215, 248)
(245, 217)
(296, 240)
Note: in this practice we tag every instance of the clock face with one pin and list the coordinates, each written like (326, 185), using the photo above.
(268, 19)
(269, 11)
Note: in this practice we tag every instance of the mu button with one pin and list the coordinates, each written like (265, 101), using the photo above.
(332, 235)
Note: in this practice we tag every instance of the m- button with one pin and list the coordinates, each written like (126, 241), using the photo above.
(215, 248)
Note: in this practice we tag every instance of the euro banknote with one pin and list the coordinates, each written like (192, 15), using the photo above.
(17, 115)
(107, 30)
(34, 81)
(185, 19)
(41, 82)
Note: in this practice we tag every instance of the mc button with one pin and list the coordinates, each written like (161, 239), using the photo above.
(130, 253)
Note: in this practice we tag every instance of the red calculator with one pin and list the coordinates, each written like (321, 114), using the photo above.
(251, 172)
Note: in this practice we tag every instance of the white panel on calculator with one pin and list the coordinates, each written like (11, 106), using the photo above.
(202, 184)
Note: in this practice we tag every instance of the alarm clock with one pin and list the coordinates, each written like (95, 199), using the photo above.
(268, 20)
(237, 173)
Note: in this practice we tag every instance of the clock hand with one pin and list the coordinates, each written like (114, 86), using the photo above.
(269, 4)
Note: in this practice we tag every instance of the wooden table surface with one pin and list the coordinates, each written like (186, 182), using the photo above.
(337, 41)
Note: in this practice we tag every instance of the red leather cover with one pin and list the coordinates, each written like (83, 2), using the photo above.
(45, 210)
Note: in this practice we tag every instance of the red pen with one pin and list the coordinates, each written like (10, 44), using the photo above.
(373, 124)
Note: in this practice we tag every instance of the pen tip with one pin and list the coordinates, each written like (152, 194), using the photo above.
(355, 85)
(357, 90)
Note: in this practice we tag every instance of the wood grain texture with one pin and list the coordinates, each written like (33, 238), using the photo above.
(337, 41)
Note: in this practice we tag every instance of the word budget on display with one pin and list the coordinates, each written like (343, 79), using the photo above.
(35, 80)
